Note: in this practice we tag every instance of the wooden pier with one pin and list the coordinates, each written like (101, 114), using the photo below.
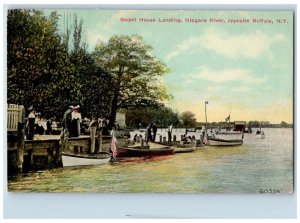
(44, 151)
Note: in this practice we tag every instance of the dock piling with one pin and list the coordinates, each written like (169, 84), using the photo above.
(93, 139)
(20, 145)
(99, 138)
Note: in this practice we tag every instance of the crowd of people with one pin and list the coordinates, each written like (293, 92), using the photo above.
(36, 124)
(150, 134)
(71, 121)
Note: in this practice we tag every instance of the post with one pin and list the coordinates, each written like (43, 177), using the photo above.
(174, 138)
(206, 102)
(93, 139)
(31, 122)
(142, 143)
(20, 146)
(164, 140)
(99, 138)
(21, 113)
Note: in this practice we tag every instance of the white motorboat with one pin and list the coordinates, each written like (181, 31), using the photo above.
(69, 159)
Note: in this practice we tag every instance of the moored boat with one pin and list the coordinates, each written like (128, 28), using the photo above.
(139, 152)
(70, 159)
(224, 142)
(184, 149)
(213, 141)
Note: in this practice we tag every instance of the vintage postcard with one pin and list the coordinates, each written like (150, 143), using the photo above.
(150, 101)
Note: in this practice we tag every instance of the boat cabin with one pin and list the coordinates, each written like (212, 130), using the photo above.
(239, 126)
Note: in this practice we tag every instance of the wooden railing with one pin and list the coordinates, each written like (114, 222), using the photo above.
(15, 114)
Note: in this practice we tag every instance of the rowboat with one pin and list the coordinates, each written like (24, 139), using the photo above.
(70, 159)
(224, 142)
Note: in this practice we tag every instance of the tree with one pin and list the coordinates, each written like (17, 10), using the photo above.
(162, 116)
(283, 124)
(96, 84)
(188, 119)
(135, 72)
(38, 66)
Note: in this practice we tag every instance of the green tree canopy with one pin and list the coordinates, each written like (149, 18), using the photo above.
(162, 117)
(188, 119)
(135, 71)
(38, 66)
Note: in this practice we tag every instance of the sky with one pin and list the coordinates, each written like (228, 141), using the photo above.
(242, 69)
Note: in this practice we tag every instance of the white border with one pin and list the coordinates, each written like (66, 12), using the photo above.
(138, 202)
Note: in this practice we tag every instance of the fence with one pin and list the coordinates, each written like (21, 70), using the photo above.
(15, 114)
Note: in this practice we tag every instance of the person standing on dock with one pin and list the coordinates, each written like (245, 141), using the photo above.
(154, 130)
(75, 123)
(148, 135)
(66, 121)
(170, 133)
(30, 124)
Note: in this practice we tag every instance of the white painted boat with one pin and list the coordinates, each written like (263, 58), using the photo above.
(228, 133)
(213, 141)
(69, 159)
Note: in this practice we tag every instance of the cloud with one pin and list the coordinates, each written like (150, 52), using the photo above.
(220, 76)
(240, 89)
(248, 45)
(94, 37)
(184, 46)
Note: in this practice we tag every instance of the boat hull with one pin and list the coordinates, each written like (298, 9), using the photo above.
(131, 152)
(81, 160)
(219, 142)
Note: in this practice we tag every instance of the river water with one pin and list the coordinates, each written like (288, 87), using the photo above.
(258, 164)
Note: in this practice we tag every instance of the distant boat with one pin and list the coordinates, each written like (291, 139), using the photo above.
(70, 159)
(213, 141)
(260, 134)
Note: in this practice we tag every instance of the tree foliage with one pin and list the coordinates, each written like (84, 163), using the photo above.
(135, 71)
(46, 71)
(38, 66)
(42, 73)
(162, 117)
(188, 119)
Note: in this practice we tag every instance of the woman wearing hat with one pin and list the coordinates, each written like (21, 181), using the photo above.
(75, 122)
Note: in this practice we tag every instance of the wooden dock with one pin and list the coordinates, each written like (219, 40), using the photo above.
(44, 151)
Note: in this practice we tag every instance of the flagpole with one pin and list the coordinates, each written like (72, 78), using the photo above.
(206, 102)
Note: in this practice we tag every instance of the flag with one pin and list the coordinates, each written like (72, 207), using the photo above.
(227, 119)
(113, 146)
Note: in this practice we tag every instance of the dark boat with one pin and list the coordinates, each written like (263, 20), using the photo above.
(139, 152)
